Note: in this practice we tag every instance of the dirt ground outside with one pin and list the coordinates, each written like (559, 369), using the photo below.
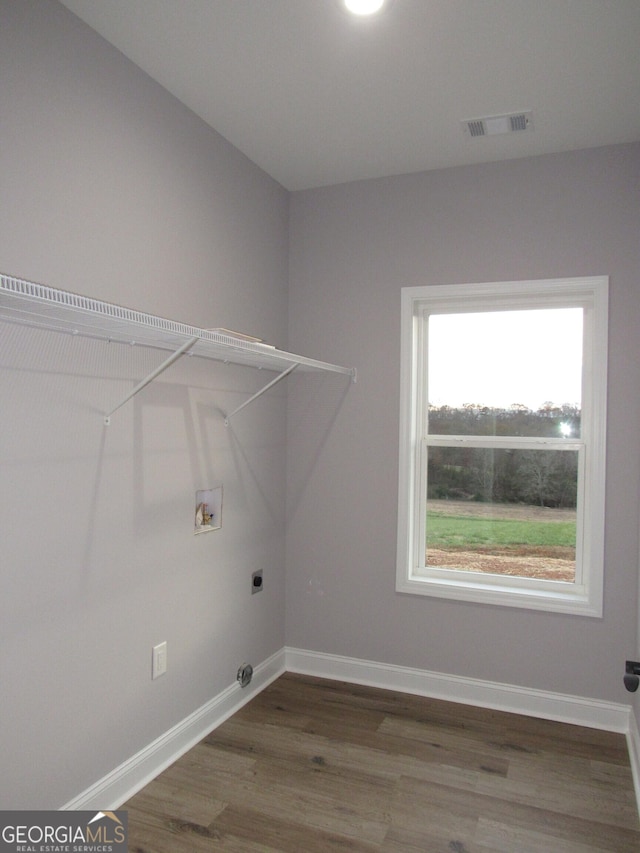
(548, 563)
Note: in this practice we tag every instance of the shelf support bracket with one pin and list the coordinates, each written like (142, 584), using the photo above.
(153, 375)
(259, 393)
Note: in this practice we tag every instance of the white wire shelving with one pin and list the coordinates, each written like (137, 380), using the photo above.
(40, 306)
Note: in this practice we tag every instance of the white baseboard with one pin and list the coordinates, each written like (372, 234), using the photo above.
(122, 783)
(469, 691)
(593, 713)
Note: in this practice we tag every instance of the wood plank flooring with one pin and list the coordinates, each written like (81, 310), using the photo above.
(317, 766)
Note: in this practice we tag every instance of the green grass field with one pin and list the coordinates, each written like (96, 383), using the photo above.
(467, 533)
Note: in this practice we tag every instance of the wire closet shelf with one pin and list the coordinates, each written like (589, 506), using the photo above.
(40, 306)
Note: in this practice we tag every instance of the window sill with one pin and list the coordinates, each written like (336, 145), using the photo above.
(562, 598)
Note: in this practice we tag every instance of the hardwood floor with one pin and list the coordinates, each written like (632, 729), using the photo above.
(315, 766)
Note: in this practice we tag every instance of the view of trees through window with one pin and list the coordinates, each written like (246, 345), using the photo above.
(506, 505)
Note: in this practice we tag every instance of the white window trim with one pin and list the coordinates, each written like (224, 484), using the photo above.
(585, 596)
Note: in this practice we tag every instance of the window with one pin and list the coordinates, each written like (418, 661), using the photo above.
(502, 444)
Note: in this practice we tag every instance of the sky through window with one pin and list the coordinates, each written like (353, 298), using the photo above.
(501, 358)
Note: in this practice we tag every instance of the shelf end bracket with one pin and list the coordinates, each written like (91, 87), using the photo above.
(153, 375)
(259, 393)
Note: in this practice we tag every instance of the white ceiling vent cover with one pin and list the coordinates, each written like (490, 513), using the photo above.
(493, 125)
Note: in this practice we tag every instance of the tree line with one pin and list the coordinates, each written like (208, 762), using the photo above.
(535, 477)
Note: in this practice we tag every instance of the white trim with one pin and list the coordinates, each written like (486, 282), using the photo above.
(633, 744)
(124, 781)
(638, 602)
(593, 713)
(413, 577)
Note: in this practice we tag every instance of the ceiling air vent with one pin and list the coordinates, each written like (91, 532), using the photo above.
(476, 127)
(519, 122)
(493, 125)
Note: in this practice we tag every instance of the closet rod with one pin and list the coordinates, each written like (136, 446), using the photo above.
(260, 393)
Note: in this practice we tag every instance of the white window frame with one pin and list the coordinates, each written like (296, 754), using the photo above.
(585, 596)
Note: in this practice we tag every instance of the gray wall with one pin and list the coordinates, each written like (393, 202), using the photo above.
(113, 189)
(352, 248)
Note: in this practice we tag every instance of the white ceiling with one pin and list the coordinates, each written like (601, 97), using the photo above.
(316, 97)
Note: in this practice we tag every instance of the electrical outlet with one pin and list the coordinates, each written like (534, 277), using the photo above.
(159, 660)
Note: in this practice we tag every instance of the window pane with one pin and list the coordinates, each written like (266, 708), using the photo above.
(549, 421)
(505, 373)
(510, 512)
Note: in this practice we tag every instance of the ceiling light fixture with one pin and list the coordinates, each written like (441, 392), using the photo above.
(364, 7)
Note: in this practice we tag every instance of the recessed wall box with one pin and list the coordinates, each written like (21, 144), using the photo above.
(208, 511)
